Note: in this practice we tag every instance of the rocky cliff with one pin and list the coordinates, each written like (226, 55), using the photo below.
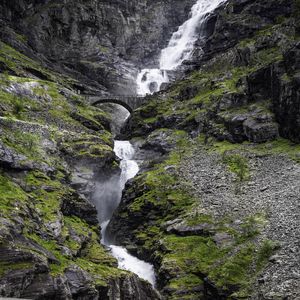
(215, 210)
(101, 43)
(218, 213)
(54, 146)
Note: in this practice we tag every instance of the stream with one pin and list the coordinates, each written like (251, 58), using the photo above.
(148, 81)
(129, 168)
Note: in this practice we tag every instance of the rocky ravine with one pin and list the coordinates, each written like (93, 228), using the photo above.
(53, 149)
(215, 210)
(217, 213)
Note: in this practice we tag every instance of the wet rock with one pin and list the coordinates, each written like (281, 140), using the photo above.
(292, 58)
(76, 205)
(10, 159)
(285, 95)
(161, 141)
(44, 286)
(258, 132)
(204, 229)
(223, 239)
(80, 283)
(131, 287)
(105, 39)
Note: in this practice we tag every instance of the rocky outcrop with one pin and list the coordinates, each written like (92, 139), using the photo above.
(207, 238)
(100, 44)
(208, 211)
(31, 279)
(233, 22)
(244, 89)
(285, 94)
(53, 148)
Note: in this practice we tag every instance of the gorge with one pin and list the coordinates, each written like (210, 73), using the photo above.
(195, 194)
(179, 49)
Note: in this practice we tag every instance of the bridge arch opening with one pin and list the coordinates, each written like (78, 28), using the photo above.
(114, 101)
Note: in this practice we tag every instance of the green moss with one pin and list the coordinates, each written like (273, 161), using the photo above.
(12, 197)
(234, 273)
(296, 12)
(165, 194)
(54, 249)
(197, 219)
(39, 179)
(239, 271)
(16, 106)
(102, 274)
(246, 43)
(265, 251)
(96, 151)
(279, 146)
(238, 165)
(94, 114)
(193, 254)
(17, 62)
(251, 227)
(6, 267)
(267, 56)
(47, 195)
(93, 259)
(92, 146)
(185, 283)
(24, 143)
(75, 225)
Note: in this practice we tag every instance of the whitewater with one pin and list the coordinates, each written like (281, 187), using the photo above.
(148, 81)
(179, 49)
(129, 168)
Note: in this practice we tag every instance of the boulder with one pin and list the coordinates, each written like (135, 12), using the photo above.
(75, 205)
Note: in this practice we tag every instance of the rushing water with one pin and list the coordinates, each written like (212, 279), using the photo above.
(180, 48)
(109, 193)
(129, 169)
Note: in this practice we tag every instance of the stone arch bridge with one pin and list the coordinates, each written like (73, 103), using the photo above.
(129, 102)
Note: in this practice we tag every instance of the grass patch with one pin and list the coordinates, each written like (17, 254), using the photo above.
(6, 267)
(12, 197)
(192, 254)
(238, 165)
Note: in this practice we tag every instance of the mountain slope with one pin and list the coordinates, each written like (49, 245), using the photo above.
(212, 214)
(216, 211)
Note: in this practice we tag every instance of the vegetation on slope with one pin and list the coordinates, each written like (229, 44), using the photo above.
(226, 111)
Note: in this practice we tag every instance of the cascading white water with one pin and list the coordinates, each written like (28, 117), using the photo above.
(148, 81)
(129, 168)
(180, 48)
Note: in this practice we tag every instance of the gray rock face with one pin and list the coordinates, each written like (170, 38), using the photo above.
(75, 205)
(131, 287)
(223, 33)
(286, 94)
(259, 132)
(97, 42)
(185, 230)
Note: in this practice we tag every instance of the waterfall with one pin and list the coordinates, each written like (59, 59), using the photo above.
(109, 193)
(180, 48)
(129, 168)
